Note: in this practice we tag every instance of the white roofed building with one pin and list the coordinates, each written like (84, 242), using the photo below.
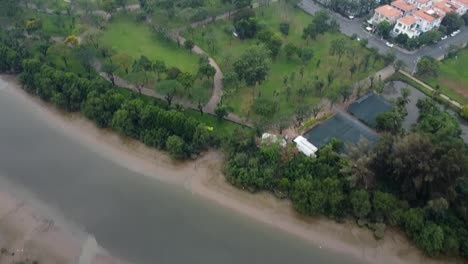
(304, 146)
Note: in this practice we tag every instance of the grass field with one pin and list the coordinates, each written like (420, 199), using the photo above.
(226, 49)
(453, 77)
(55, 24)
(123, 34)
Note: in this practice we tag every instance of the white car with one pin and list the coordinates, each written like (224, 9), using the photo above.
(389, 44)
(455, 33)
(444, 37)
(351, 17)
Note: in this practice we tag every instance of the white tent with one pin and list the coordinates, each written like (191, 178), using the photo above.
(304, 146)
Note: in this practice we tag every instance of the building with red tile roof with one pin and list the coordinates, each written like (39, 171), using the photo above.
(404, 6)
(447, 6)
(406, 25)
(386, 13)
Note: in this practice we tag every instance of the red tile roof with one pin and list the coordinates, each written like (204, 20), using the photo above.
(400, 4)
(407, 20)
(428, 14)
(388, 11)
(447, 6)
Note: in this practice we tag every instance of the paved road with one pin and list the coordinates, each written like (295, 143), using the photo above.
(350, 27)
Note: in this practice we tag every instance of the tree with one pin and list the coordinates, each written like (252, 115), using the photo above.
(143, 65)
(169, 88)
(464, 111)
(290, 49)
(430, 37)
(398, 65)
(465, 18)
(384, 28)
(62, 51)
(384, 205)
(402, 39)
(284, 28)
(452, 21)
(93, 37)
(176, 147)
(33, 24)
(85, 56)
(189, 44)
(360, 203)
(246, 27)
(205, 68)
(305, 55)
(359, 169)
(273, 42)
(390, 121)
(124, 60)
(160, 67)
(110, 68)
(71, 40)
(126, 119)
(221, 111)
(389, 57)
(338, 47)
(431, 239)
(253, 65)
(428, 67)
(186, 79)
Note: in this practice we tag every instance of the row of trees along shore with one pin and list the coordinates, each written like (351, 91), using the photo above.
(415, 180)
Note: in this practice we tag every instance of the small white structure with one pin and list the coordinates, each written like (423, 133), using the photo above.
(270, 138)
(304, 146)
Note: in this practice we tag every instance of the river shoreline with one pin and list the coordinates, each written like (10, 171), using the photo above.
(203, 178)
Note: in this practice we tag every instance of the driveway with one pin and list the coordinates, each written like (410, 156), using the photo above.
(350, 27)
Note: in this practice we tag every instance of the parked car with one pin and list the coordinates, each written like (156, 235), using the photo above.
(455, 33)
(351, 17)
(444, 37)
(389, 44)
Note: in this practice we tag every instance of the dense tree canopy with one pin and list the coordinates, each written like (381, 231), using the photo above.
(253, 65)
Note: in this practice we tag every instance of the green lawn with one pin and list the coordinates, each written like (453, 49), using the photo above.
(227, 48)
(55, 24)
(123, 34)
(453, 77)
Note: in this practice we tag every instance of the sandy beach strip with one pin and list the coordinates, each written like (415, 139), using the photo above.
(203, 178)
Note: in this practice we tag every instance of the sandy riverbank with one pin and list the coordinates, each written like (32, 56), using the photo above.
(203, 177)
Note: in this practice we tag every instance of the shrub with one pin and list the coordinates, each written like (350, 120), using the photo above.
(464, 111)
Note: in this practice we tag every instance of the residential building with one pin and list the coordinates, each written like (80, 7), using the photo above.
(406, 25)
(447, 6)
(385, 13)
(420, 4)
(404, 6)
(463, 4)
(428, 18)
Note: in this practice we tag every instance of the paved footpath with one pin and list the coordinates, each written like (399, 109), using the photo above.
(446, 98)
